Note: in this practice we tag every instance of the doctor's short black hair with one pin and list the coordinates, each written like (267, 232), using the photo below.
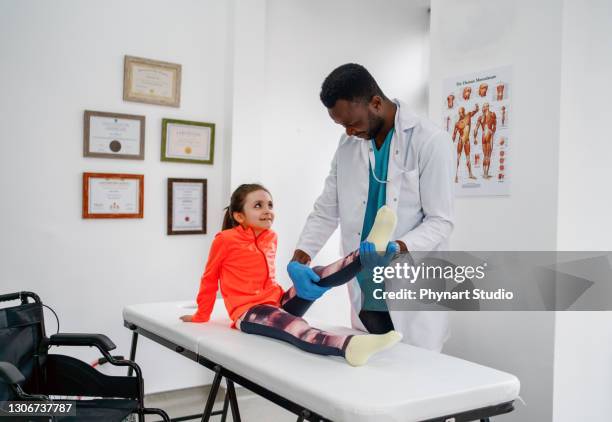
(351, 82)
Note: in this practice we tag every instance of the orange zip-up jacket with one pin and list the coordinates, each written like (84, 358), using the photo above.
(243, 264)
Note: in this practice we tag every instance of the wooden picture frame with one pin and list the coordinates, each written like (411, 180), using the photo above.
(151, 81)
(113, 195)
(187, 204)
(186, 141)
(105, 135)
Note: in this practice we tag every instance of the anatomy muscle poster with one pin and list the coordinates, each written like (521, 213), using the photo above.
(478, 116)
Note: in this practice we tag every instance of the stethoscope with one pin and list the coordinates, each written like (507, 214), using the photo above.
(399, 164)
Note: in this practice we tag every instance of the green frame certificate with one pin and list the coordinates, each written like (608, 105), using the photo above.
(187, 141)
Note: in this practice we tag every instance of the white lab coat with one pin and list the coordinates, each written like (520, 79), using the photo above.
(419, 190)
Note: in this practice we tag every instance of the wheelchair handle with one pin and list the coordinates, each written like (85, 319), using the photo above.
(23, 296)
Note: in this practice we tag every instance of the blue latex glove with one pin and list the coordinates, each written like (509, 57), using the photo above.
(305, 279)
(370, 258)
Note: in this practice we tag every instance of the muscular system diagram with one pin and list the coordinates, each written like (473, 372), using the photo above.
(462, 128)
(477, 113)
(488, 122)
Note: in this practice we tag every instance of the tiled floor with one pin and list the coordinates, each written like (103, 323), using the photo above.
(191, 401)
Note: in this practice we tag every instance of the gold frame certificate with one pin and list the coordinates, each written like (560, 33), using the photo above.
(110, 195)
(113, 135)
(188, 141)
(186, 206)
(151, 81)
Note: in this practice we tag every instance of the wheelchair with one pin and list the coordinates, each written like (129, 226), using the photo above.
(29, 374)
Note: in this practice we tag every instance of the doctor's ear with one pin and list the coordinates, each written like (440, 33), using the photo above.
(376, 103)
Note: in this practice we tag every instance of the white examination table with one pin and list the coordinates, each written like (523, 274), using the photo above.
(404, 383)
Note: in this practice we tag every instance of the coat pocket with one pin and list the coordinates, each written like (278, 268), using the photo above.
(410, 194)
(411, 182)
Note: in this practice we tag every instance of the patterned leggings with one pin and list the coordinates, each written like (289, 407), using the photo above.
(285, 323)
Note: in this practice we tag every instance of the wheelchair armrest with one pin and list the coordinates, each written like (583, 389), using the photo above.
(77, 339)
(13, 377)
(10, 374)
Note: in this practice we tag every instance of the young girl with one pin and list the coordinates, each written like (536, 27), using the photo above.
(242, 258)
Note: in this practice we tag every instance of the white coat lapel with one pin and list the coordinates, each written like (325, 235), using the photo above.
(394, 171)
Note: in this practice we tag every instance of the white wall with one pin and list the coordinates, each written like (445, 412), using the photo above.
(583, 340)
(583, 366)
(477, 35)
(58, 59)
(585, 150)
(247, 91)
(305, 41)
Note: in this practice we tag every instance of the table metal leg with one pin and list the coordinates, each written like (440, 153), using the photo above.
(233, 400)
(303, 415)
(212, 395)
(225, 405)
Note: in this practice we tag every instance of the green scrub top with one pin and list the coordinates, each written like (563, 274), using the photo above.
(377, 197)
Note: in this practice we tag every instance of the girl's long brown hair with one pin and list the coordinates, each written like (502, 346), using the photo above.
(237, 203)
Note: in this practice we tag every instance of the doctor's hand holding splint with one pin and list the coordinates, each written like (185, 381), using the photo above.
(388, 156)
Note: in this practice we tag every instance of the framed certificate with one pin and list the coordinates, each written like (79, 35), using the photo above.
(151, 81)
(113, 135)
(109, 195)
(186, 206)
(186, 141)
